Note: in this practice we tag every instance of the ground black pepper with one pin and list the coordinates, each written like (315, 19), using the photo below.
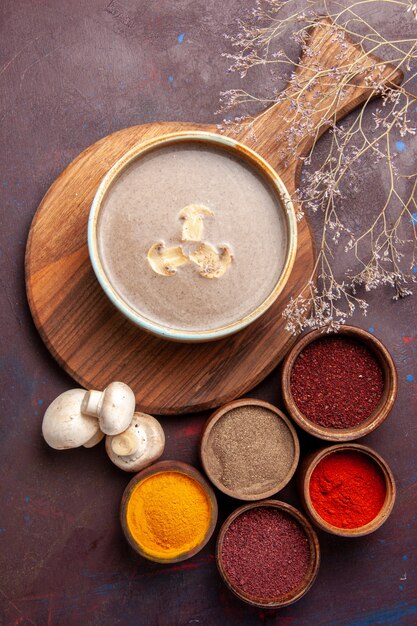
(265, 553)
(336, 382)
(250, 450)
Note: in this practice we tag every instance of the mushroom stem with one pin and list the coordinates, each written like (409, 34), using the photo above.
(139, 445)
(92, 403)
(125, 444)
(193, 228)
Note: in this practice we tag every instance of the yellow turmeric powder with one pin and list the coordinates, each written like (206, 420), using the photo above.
(168, 514)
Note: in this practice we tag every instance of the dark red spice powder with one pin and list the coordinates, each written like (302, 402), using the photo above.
(336, 382)
(347, 489)
(265, 553)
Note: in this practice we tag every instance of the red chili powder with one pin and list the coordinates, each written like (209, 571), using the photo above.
(347, 489)
(336, 382)
(265, 553)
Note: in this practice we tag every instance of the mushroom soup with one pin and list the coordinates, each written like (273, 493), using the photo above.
(192, 237)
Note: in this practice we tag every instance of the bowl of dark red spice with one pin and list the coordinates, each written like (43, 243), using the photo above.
(339, 387)
(347, 489)
(268, 554)
(249, 449)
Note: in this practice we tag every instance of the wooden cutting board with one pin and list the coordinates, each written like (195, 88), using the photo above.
(93, 342)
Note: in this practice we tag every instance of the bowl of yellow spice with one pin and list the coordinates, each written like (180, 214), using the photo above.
(168, 512)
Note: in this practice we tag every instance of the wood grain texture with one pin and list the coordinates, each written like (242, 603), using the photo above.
(93, 342)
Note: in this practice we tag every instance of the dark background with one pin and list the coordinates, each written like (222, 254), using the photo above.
(72, 71)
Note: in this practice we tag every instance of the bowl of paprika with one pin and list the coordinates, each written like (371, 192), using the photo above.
(339, 387)
(347, 489)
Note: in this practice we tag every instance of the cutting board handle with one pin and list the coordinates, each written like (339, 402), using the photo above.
(286, 131)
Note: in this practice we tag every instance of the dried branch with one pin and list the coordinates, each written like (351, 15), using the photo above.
(385, 252)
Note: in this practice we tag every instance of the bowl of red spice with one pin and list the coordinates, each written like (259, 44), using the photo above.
(347, 489)
(339, 387)
(268, 554)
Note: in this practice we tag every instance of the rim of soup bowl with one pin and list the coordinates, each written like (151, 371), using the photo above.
(248, 155)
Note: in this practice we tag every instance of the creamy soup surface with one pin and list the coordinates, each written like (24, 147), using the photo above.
(142, 208)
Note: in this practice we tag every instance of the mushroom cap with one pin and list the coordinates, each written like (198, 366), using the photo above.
(114, 407)
(94, 440)
(143, 442)
(64, 426)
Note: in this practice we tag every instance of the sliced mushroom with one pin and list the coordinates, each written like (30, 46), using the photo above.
(164, 260)
(114, 407)
(193, 226)
(212, 263)
(65, 426)
(140, 445)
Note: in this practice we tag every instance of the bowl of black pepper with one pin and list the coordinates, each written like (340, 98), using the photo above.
(249, 449)
(339, 387)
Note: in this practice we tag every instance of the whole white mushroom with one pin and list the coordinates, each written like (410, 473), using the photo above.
(139, 445)
(65, 426)
(114, 407)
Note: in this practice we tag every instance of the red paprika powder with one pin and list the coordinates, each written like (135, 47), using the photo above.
(347, 489)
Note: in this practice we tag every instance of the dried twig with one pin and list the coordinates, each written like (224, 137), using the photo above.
(384, 253)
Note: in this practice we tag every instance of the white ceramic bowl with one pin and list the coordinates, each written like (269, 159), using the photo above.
(251, 158)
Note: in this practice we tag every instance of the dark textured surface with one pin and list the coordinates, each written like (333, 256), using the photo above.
(71, 72)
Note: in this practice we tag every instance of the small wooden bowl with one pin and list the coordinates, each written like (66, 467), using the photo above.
(168, 466)
(380, 412)
(306, 470)
(301, 590)
(205, 452)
